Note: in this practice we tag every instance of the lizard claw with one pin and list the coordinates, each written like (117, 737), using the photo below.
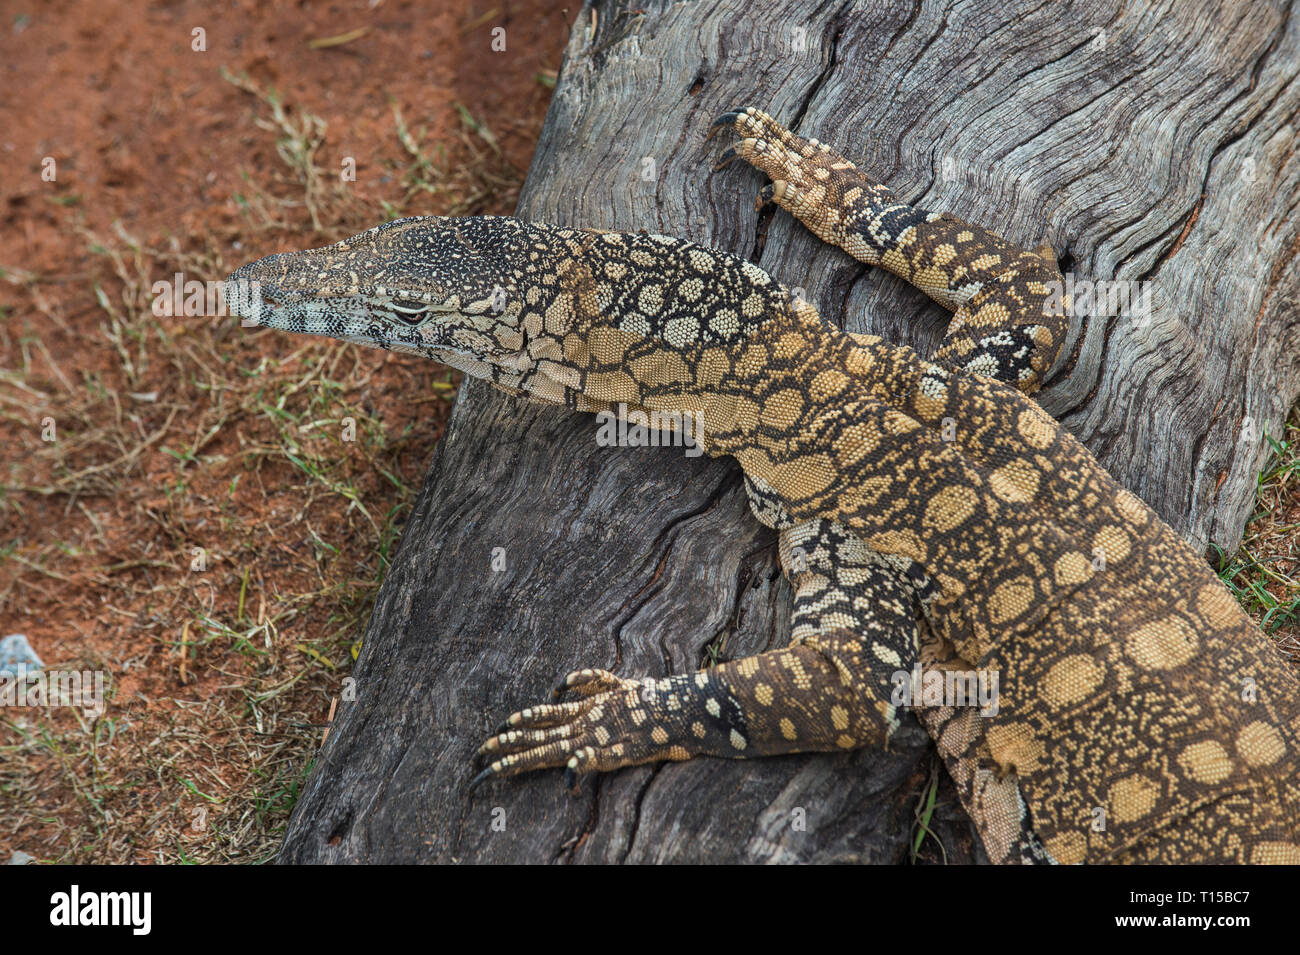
(725, 159)
(605, 727)
(726, 119)
(590, 681)
(748, 121)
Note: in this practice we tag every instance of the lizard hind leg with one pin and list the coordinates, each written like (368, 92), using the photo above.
(1010, 320)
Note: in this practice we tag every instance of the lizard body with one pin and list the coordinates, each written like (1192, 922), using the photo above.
(930, 514)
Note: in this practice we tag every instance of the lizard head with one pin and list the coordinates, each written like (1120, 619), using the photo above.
(443, 288)
(531, 307)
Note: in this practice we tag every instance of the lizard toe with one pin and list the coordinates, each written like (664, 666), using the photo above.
(518, 741)
(748, 121)
(543, 716)
(564, 752)
(588, 682)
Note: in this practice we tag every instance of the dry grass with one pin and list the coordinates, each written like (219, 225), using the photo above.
(212, 520)
(1264, 574)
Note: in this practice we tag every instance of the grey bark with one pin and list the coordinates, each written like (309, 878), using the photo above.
(1154, 145)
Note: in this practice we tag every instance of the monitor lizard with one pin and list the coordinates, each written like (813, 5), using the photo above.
(930, 514)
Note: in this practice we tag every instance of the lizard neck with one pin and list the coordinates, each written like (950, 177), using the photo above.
(748, 394)
(772, 386)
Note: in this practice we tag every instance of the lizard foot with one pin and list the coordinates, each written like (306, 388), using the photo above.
(800, 169)
(610, 725)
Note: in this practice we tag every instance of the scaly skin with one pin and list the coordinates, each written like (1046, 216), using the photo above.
(929, 512)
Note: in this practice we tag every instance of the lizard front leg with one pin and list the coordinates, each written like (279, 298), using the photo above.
(854, 626)
(1010, 319)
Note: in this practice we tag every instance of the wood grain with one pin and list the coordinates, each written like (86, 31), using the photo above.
(1147, 145)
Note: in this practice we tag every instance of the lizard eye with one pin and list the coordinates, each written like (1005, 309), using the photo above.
(412, 313)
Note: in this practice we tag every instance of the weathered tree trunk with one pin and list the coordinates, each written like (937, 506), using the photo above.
(1150, 146)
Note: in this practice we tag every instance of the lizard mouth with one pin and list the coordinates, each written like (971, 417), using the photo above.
(348, 318)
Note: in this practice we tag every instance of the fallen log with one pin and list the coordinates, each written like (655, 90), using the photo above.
(1151, 148)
